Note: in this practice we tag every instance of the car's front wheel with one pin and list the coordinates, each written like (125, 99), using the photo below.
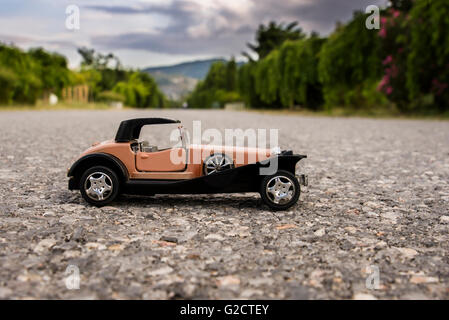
(99, 185)
(280, 191)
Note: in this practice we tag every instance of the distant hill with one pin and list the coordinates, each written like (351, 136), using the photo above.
(194, 69)
(175, 87)
(178, 80)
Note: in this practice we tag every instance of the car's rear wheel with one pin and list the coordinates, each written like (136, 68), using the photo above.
(99, 185)
(280, 191)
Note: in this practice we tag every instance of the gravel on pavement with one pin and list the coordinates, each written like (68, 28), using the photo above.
(373, 222)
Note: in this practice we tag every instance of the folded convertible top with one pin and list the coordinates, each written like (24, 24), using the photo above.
(130, 129)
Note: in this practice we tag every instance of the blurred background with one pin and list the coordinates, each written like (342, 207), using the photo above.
(301, 55)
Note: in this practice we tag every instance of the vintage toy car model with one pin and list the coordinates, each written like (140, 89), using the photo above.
(130, 165)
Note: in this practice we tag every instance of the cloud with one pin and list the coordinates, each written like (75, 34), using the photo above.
(16, 39)
(28, 42)
(172, 43)
(192, 29)
(166, 29)
(222, 27)
(319, 15)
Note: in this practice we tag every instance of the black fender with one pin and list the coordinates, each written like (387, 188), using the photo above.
(284, 161)
(288, 162)
(96, 159)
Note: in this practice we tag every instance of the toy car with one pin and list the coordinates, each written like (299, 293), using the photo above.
(130, 165)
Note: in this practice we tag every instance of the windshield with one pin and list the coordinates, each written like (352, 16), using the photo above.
(183, 136)
(163, 136)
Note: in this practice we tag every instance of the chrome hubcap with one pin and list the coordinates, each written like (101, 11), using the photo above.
(98, 186)
(216, 163)
(280, 189)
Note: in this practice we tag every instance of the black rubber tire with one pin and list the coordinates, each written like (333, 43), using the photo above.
(115, 185)
(276, 206)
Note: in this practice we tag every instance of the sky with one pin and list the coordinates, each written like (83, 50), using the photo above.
(146, 33)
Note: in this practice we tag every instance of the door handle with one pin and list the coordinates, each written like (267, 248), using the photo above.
(144, 156)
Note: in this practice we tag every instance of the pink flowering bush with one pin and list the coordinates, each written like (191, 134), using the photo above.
(428, 59)
(415, 55)
(393, 36)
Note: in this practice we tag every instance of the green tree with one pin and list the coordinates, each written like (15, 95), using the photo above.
(246, 83)
(216, 77)
(106, 76)
(298, 64)
(267, 79)
(139, 90)
(8, 81)
(23, 71)
(231, 75)
(350, 64)
(52, 70)
(394, 37)
(273, 36)
(218, 88)
(428, 60)
(97, 60)
(401, 5)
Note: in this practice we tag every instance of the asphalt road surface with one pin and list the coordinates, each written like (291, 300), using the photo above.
(373, 222)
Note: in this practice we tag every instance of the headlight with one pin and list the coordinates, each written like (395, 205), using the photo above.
(298, 168)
